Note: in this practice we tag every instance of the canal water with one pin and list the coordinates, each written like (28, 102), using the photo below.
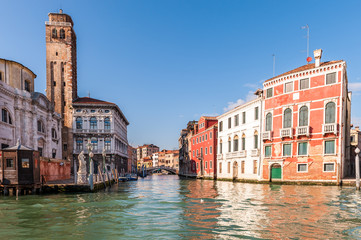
(165, 207)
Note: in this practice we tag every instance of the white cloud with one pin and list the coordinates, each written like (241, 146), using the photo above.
(250, 96)
(355, 87)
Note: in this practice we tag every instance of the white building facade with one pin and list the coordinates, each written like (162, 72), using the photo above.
(26, 115)
(239, 142)
(106, 127)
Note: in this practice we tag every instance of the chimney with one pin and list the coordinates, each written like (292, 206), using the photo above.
(60, 11)
(357, 128)
(317, 54)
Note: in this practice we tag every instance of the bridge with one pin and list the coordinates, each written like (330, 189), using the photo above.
(156, 169)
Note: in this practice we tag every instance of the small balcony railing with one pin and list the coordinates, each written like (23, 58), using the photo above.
(286, 132)
(238, 154)
(229, 155)
(266, 135)
(303, 131)
(329, 128)
(254, 152)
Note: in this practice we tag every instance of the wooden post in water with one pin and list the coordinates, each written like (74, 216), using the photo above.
(357, 166)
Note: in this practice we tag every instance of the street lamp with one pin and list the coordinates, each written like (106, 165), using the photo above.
(91, 154)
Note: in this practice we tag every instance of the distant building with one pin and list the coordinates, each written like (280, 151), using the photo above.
(155, 158)
(148, 162)
(355, 142)
(132, 159)
(204, 147)
(171, 159)
(187, 166)
(27, 115)
(146, 150)
(239, 141)
(105, 125)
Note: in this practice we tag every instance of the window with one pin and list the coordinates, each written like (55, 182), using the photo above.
(107, 143)
(201, 152)
(302, 148)
(25, 163)
(200, 139)
(193, 142)
(79, 144)
(53, 153)
(229, 122)
(41, 126)
(331, 78)
(256, 113)
(229, 145)
(107, 123)
(54, 33)
(254, 166)
(78, 110)
(330, 147)
(269, 122)
(210, 150)
(220, 147)
(197, 140)
(229, 167)
(203, 138)
(235, 144)
(210, 135)
(92, 111)
(288, 87)
(1, 76)
(5, 116)
(206, 165)
(255, 137)
(287, 118)
(79, 123)
(242, 166)
(236, 120)
(221, 126)
(267, 151)
(53, 133)
(243, 142)
(206, 137)
(287, 150)
(93, 123)
(210, 164)
(94, 143)
(269, 92)
(9, 163)
(65, 147)
(303, 117)
(27, 85)
(107, 111)
(194, 154)
(330, 112)
(243, 117)
(62, 34)
(304, 83)
(206, 152)
(328, 167)
(40, 150)
(220, 167)
(302, 167)
(197, 153)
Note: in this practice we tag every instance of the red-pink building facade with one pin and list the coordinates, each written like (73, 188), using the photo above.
(306, 122)
(204, 147)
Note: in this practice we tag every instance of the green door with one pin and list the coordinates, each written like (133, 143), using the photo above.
(276, 172)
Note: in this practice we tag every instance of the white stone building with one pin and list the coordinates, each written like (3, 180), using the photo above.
(239, 142)
(27, 115)
(155, 158)
(106, 127)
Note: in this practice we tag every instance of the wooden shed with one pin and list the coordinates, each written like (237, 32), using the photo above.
(20, 167)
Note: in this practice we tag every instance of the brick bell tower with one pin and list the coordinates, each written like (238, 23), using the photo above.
(61, 73)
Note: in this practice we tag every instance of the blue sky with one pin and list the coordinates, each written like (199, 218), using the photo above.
(166, 62)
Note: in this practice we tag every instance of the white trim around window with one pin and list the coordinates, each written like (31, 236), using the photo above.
(302, 164)
(324, 147)
(290, 143)
(323, 166)
(308, 149)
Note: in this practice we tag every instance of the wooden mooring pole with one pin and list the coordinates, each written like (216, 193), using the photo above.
(357, 166)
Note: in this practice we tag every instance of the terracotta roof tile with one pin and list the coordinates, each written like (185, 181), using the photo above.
(88, 100)
(305, 67)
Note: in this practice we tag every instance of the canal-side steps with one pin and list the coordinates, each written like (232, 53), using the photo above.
(344, 182)
(75, 188)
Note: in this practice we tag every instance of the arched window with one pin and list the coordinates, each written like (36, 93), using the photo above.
(235, 143)
(220, 147)
(5, 116)
(107, 123)
(41, 127)
(79, 144)
(255, 136)
(79, 123)
(243, 141)
(330, 112)
(107, 143)
(287, 118)
(229, 144)
(53, 133)
(269, 122)
(93, 123)
(94, 143)
(54, 33)
(27, 85)
(303, 117)
(62, 34)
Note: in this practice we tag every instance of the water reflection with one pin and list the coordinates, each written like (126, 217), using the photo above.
(164, 207)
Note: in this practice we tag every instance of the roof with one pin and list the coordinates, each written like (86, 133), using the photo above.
(6, 60)
(209, 118)
(18, 147)
(305, 67)
(88, 100)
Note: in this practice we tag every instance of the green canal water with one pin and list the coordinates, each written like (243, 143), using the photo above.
(165, 207)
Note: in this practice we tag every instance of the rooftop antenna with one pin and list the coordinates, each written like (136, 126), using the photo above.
(274, 64)
(309, 59)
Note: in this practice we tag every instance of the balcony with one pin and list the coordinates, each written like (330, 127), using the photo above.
(266, 135)
(329, 128)
(241, 154)
(229, 155)
(303, 131)
(255, 152)
(286, 132)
